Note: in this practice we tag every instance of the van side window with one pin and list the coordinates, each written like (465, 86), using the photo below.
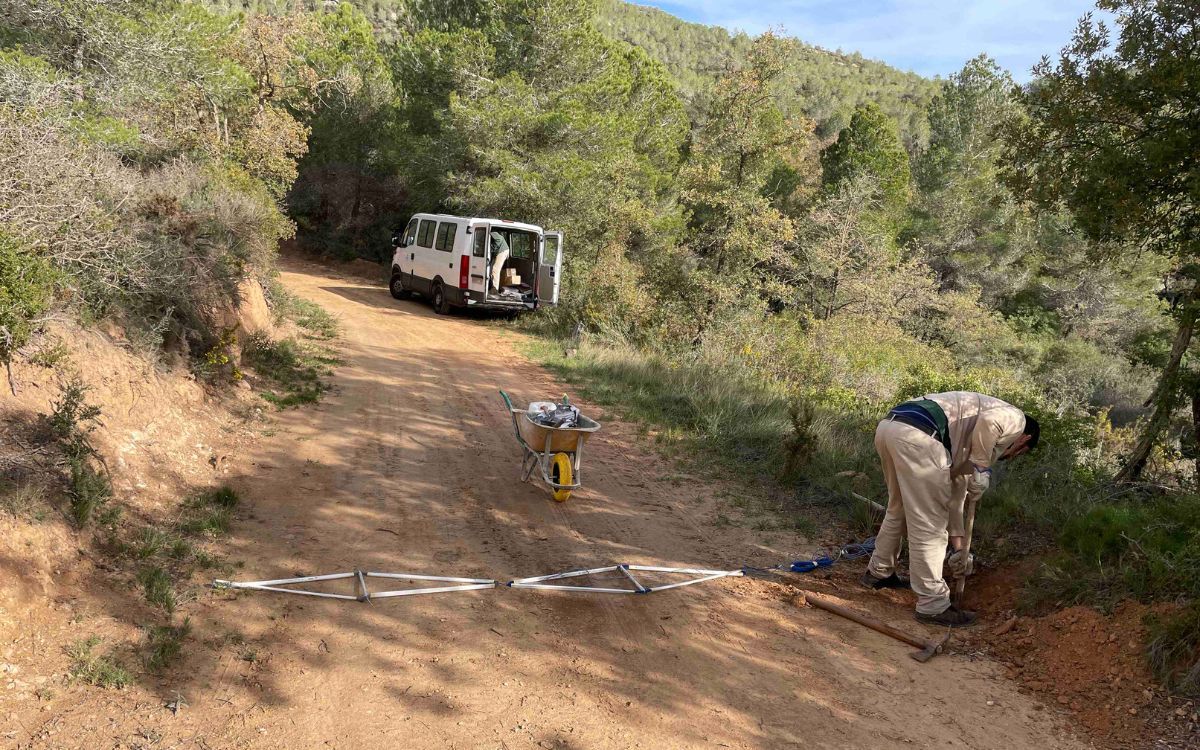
(445, 236)
(480, 242)
(410, 234)
(425, 238)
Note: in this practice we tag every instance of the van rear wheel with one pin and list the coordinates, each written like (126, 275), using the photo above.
(441, 305)
(397, 288)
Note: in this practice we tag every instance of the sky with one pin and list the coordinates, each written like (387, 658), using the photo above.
(930, 37)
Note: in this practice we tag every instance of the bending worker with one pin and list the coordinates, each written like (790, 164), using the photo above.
(935, 451)
(500, 253)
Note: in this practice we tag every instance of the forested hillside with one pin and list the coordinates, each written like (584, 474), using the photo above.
(822, 85)
(767, 244)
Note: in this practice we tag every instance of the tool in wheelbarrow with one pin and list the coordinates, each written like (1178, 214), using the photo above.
(551, 437)
(549, 414)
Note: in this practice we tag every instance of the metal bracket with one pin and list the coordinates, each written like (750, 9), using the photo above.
(365, 596)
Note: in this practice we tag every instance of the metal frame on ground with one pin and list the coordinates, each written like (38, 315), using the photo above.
(539, 582)
(475, 584)
(361, 576)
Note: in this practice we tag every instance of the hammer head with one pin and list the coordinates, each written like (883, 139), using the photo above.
(932, 648)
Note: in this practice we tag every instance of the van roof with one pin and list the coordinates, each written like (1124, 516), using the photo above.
(474, 219)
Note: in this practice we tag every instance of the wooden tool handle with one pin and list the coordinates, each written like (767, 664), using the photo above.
(960, 582)
(863, 619)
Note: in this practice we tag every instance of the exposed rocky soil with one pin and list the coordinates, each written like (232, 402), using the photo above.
(1087, 663)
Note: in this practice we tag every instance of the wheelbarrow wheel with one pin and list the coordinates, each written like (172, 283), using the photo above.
(560, 472)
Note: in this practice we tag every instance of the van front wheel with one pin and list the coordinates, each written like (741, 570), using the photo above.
(397, 288)
(441, 305)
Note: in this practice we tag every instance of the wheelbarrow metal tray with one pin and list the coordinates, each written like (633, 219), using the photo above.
(562, 439)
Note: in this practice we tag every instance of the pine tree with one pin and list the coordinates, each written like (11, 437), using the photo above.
(739, 238)
(870, 148)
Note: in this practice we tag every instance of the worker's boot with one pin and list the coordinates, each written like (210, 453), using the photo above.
(891, 582)
(952, 617)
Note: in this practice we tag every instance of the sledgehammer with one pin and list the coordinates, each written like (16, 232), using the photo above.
(929, 649)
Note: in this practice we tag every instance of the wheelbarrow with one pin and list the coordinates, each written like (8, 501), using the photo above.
(554, 451)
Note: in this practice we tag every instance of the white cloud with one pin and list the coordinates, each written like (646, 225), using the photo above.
(928, 36)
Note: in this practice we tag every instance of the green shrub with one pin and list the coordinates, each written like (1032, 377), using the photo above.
(100, 671)
(181, 549)
(207, 561)
(207, 522)
(1174, 649)
(291, 371)
(222, 497)
(141, 226)
(89, 490)
(310, 316)
(218, 365)
(1102, 535)
(27, 284)
(923, 380)
(158, 587)
(150, 541)
(1146, 549)
(71, 417)
(51, 355)
(164, 644)
(70, 423)
(209, 513)
(25, 500)
(108, 132)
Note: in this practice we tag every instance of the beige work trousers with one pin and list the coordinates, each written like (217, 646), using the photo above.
(497, 267)
(916, 468)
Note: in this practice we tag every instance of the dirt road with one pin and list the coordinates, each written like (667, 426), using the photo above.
(410, 465)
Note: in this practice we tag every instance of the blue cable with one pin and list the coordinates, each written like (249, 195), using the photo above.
(808, 566)
(852, 551)
(862, 549)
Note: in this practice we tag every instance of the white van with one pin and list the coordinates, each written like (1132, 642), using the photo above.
(448, 260)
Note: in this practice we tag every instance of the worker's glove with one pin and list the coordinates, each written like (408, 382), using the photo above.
(961, 563)
(980, 480)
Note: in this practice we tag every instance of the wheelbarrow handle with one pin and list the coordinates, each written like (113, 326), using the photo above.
(513, 414)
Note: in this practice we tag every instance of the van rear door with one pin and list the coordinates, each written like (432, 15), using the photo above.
(550, 268)
(478, 281)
